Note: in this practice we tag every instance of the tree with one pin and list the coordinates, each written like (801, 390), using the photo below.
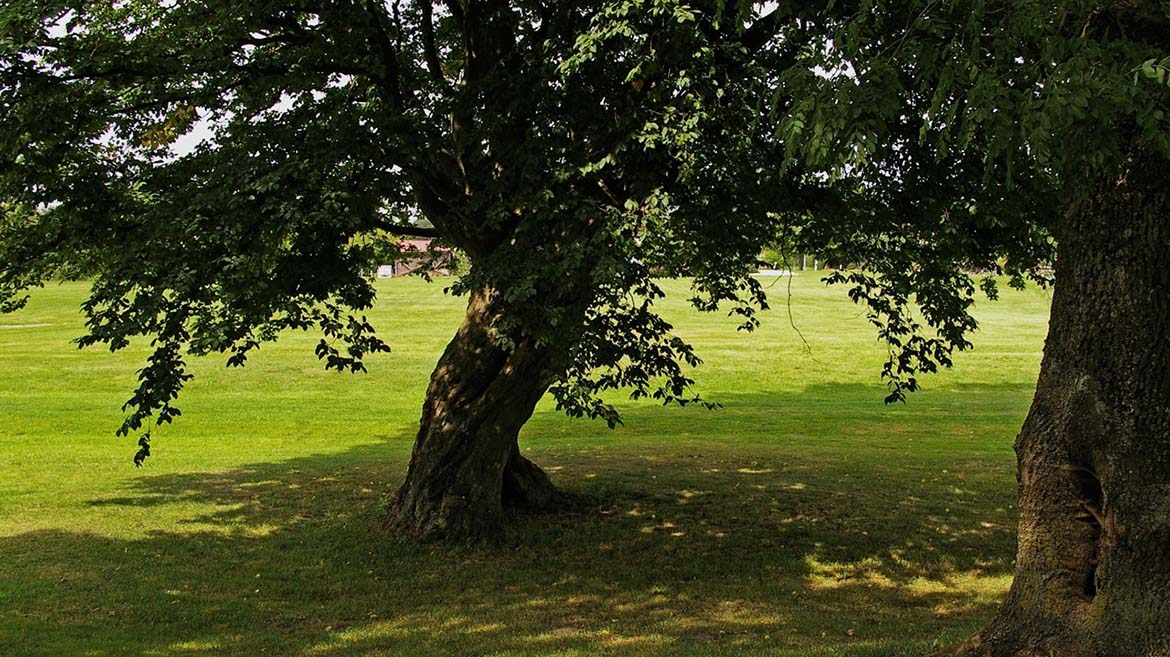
(570, 150)
(986, 133)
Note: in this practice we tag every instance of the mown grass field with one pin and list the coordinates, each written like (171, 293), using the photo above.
(804, 518)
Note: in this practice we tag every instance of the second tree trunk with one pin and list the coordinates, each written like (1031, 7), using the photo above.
(1092, 574)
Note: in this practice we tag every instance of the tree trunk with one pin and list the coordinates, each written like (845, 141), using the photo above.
(1092, 572)
(466, 464)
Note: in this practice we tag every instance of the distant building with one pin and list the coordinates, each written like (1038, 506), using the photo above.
(416, 254)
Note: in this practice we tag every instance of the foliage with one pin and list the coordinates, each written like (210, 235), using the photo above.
(220, 169)
(964, 130)
(573, 151)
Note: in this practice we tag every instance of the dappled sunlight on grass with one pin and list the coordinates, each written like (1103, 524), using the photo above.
(701, 563)
(190, 647)
(959, 592)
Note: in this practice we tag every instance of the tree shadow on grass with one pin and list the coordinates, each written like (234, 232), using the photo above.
(690, 549)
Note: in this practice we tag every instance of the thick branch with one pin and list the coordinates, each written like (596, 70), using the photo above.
(430, 53)
(389, 53)
(762, 31)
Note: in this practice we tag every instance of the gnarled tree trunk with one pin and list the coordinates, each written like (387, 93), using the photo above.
(466, 465)
(1092, 573)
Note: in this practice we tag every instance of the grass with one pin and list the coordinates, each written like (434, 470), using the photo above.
(805, 518)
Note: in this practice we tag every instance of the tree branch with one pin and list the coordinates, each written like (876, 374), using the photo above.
(430, 53)
(406, 230)
(389, 53)
(761, 31)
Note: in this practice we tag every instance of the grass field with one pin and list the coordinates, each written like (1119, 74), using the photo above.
(804, 518)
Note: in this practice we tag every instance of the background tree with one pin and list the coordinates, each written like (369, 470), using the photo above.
(983, 134)
(571, 150)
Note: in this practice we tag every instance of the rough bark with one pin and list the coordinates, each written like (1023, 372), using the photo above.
(466, 465)
(1092, 574)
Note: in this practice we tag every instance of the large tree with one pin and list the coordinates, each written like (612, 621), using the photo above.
(987, 133)
(219, 169)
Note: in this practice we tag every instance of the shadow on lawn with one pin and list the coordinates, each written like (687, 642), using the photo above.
(706, 549)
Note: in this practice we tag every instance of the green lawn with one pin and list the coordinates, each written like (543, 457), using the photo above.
(804, 518)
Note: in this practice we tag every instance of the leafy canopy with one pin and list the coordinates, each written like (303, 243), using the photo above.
(220, 170)
(223, 171)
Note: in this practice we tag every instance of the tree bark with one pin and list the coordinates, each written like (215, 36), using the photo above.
(466, 465)
(1092, 574)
